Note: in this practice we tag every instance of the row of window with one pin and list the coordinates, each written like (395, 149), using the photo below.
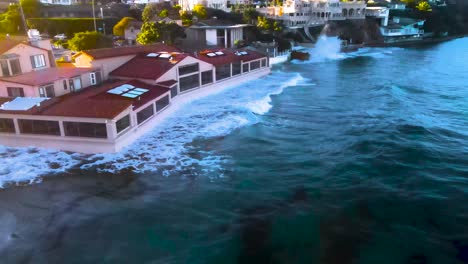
(78, 129)
(12, 66)
(148, 112)
(49, 90)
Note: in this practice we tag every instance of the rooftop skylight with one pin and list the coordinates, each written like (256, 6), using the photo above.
(152, 55)
(165, 55)
(22, 103)
(128, 90)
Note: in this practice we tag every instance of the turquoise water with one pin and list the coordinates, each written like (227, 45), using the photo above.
(356, 158)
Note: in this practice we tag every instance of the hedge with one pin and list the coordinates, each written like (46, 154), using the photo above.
(70, 26)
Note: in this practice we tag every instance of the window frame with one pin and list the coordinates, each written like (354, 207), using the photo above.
(10, 91)
(38, 61)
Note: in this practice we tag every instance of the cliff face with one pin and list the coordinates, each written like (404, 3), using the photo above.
(355, 31)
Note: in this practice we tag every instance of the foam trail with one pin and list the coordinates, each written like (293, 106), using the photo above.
(263, 106)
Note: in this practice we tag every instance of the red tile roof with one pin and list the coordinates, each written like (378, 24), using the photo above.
(124, 51)
(150, 68)
(96, 102)
(228, 57)
(168, 83)
(45, 76)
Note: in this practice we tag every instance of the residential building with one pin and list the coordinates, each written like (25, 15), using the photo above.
(110, 59)
(131, 31)
(28, 70)
(305, 13)
(143, 81)
(403, 29)
(379, 12)
(216, 32)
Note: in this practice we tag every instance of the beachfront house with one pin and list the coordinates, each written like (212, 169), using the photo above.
(109, 59)
(403, 29)
(216, 33)
(110, 116)
(28, 70)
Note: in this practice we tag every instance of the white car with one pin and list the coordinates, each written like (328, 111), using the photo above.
(60, 36)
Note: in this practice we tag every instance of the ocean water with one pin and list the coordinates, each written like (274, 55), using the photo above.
(346, 158)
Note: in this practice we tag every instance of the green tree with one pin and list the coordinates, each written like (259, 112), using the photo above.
(163, 13)
(263, 23)
(186, 18)
(119, 28)
(149, 33)
(10, 21)
(170, 31)
(424, 6)
(151, 10)
(199, 11)
(89, 40)
(249, 14)
(152, 32)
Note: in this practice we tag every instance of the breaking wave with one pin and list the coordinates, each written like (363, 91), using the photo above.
(169, 147)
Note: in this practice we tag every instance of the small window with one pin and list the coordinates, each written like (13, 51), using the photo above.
(47, 91)
(145, 114)
(254, 65)
(122, 123)
(65, 85)
(38, 61)
(236, 68)
(95, 78)
(92, 76)
(15, 92)
(245, 67)
(174, 92)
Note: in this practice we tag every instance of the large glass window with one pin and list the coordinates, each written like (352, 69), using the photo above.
(145, 114)
(245, 67)
(41, 127)
(15, 92)
(207, 77)
(223, 71)
(254, 65)
(236, 68)
(161, 103)
(122, 123)
(186, 69)
(7, 125)
(174, 92)
(5, 69)
(189, 82)
(84, 129)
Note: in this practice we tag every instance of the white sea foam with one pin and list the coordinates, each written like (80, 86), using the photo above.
(262, 106)
(169, 147)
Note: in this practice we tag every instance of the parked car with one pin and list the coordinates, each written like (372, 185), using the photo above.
(60, 37)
